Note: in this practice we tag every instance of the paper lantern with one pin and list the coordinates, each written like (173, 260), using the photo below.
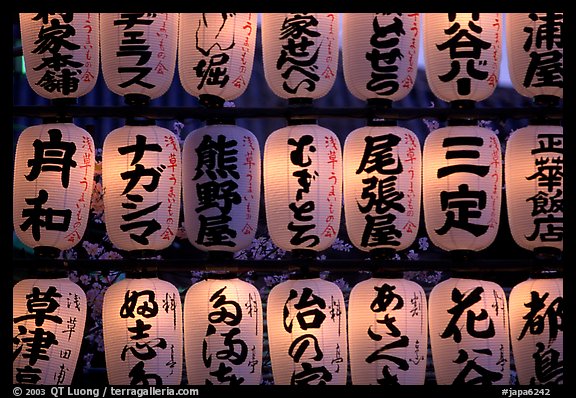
(141, 176)
(53, 182)
(221, 187)
(216, 53)
(380, 54)
(469, 332)
(142, 328)
(536, 53)
(534, 187)
(382, 186)
(306, 322)
(537, 331)
(300, 52)
(462, 180)
(303, 187)
(49, 316)
(462, 54)
(61, 52)
(388, 332)
(139, 52)
(223, 333)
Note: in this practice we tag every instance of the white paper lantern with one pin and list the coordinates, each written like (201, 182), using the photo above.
(221, 187)
(61, 52)
(380, 54)
(534, 186)
(216, 53)
(303, 187)
(462, 187)
(223, 333)
(49, 316)
(142, 328)
(462, 54)
(536, 53)
(537, 331)
(53, 182)
(300, 52)
(141, 176)
(388, 332)
(469, 333)
(139, 52)
(382, 187)
(306, 322)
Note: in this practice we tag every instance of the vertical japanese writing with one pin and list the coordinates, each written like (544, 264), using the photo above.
(411, 166)
(414, 27)
(332, 198)
(163, 35)
(88, 46)
(242, 79)
(250, 167)
(172, 196)
(328, 73)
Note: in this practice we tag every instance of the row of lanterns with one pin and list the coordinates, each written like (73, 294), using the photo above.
(219, 332)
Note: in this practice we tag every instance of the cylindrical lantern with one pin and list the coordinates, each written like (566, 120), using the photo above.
(142, 328)
(139, 52)
(537, 331)
(303, 187)
(462, 180)
(462, 54)
(469, 333)
(141, 174)
(53, 181)
(223, 333)
(49, 316)
(534, 186)
(380, 54)
(300, 52)
(306, 321)
(216, 53)
(221, 187)
(382, 187)
(536, 53)
(61, 52)
(388, 332)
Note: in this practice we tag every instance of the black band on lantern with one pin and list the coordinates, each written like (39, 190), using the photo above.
(210, 101)
(377, 106)
(46, 252)
(137, 100)
(459, 117)
(379, 257)
(304, 258)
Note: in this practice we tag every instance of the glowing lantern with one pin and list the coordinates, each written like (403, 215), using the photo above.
(48, 327)
(534, 187)
(61, 53)
(300, 52)
(141, 174)
(380, 54)
(223, 333)
(142, 327)
(388, 332)
(462, 180)
(53, 181)
(537, 331)
(462, 54)
(469, 333)
(306, 321)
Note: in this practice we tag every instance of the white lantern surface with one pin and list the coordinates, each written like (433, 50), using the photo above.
(388, 332)
(141, 176)
(139, 52)
(61, 52)
(462, 53)
(300, 52)
(536, 53)
(382, 187)
(142, 328)
(53, 182)
(380, 54)
(221, 187)
(303, 187)
(223, 333)
(306, 321)
(49, 316)
(216, 53)
(534, 186)
(462, 187)
(469, 335)
(537, 331)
